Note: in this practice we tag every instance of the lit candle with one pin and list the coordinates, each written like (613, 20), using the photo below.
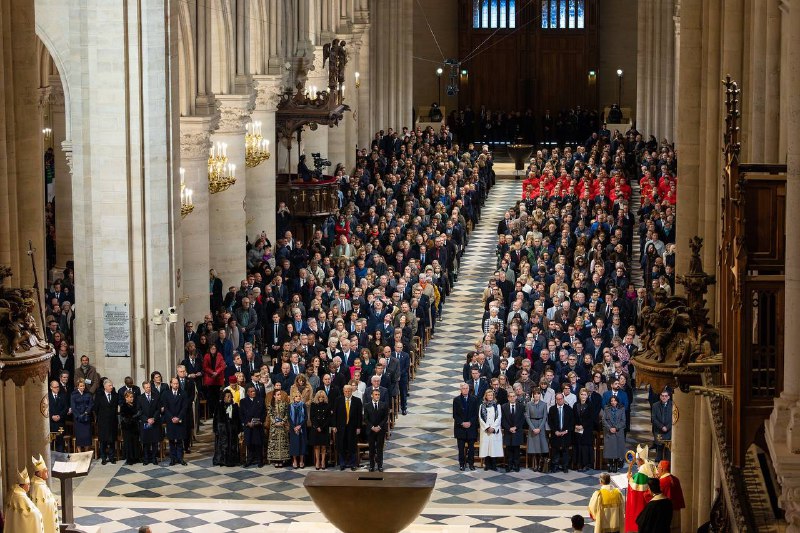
(358, 75)
(189, 197)
(224, 149)
(233, 170)
(343, 89)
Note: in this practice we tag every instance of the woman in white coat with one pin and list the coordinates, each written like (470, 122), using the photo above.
(491, 437)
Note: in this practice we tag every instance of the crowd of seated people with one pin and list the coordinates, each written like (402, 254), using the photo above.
(278, 357)
(562, 314)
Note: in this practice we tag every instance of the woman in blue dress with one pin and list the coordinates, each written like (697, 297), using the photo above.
(298, 435)
(81, 404)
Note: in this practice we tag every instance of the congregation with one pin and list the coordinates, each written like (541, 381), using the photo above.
(312, 353)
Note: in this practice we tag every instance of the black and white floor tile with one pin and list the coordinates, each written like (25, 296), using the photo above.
(202, 498)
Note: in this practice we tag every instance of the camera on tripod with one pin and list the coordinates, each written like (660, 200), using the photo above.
(319, 162)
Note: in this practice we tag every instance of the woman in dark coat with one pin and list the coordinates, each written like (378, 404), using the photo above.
(81, 404)
(584, 431)
(129, 422)
(298, 434)
(320, 435)
(253, 413)
(614, 434)
(227, 425)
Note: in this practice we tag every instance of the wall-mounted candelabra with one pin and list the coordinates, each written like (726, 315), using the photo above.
(187, 205)
(221, 174)
(256, 146)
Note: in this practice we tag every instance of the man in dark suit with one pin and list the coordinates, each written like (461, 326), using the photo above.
(253, 413)
(150, 423)
(465, 426)
(187, 387)
(561, 422)
(175, 409)
(331, 391)
(189, 334)
(376, 419)
(276, 335)
(512, 423)
(661, 418)
(404, 371)
(376, 386)
(63, 360)
(129, 386)
(385, 379)
(236, 367)
(347, 415)
(58, 406)
(285, 377)
(477, 383)
(106, 406)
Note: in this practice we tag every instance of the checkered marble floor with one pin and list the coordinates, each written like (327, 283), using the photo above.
(200, 497)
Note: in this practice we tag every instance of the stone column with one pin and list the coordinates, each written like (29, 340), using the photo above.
(688, 138)
(227, 216)
(361, 110)
(783, 428)
(63, 174)
(195, 228)
(351, 98)
(260, 205)
(391, 65)
(757, 82)
(23, 416)
(772, 83)
(683, 452)
(315, 141)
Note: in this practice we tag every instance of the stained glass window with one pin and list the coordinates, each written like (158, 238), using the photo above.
(563, 14)
(494, 14)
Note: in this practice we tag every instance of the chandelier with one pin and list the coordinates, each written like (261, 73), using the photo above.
(221, 174)
(187, 206)
(256, 146)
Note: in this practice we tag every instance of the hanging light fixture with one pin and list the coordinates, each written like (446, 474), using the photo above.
(256, 146)
(187, 206)
(221, 174)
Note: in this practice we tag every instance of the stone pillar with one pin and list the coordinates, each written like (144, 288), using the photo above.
(315, 141)
(772, 83)
(349, 122)
(390, 66)
(227, 216)
(688, 135)
(260, 205)
(683, 452)
(361, 110)
(757, 81)
(783, 428)
(195, 144)
(712, 126)
(63, 174)
(125, 193)
(23, 417)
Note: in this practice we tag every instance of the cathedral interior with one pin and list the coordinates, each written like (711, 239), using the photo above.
(176, 169)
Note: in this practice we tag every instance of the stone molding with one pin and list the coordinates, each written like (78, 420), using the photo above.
(66, 145)
(268, 91)
(52, 95)
(196, 136)
(235, 111)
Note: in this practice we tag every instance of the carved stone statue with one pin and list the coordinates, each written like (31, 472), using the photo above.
(335, 54)
(677, 329)
(18, 330)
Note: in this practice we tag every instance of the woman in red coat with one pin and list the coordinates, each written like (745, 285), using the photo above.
(213, 376)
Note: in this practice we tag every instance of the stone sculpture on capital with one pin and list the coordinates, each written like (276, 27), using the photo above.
(676, 329)
(19, 333)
